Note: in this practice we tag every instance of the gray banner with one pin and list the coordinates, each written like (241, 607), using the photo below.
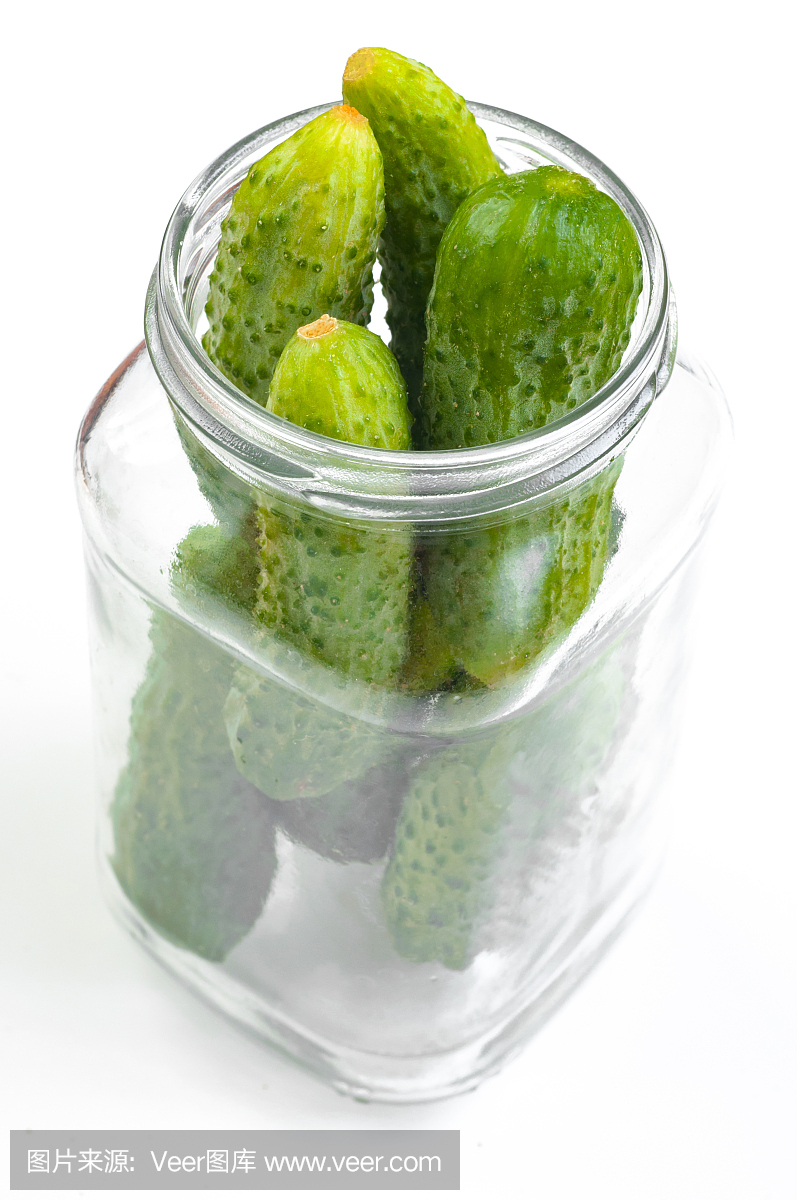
(278, 1159)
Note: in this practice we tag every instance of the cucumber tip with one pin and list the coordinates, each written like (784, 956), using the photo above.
(346, 113)
(359, 64)
(319, 328)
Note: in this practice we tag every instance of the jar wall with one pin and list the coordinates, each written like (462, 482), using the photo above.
(141, 498)
(393, 881)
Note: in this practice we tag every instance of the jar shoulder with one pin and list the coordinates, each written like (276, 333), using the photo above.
(136, 486)
(140, 496)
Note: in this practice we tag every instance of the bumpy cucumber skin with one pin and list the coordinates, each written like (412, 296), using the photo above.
(537, 281)
(434, 155)
(495, 600)
(337, 592)
(482, 822)
(291, 747)
(212, 562)
(536, 287)
(194, 842)
(345, 384)
(438, 880)
(300, 240)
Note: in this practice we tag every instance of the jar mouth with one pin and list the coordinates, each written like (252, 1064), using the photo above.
(270, 451)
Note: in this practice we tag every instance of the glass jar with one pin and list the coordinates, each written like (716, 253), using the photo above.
(380, 733)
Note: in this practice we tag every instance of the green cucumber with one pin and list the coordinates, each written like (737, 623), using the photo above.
(291, 747)
(300, 240)
(494, 600)
(194, 842)
(340, 380)
(537, 281)
(439, 879)
(337, 591)
(484, 823)
(536, 287)
(434, 155)
(195, 849)
(214, 563)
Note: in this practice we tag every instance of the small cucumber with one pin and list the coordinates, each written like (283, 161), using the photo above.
(341, 380)
(213, 562)
(336, 590)
(439, 880)
(300, 240)
(485, 824)
(194, 842)
(434, 154)
(291, 747)
(565, 808)
(537, 281)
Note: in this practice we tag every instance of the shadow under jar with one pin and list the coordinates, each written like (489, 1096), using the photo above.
(387, 810)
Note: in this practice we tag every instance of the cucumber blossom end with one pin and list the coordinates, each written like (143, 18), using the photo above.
(318, 329)
(340, 380)
(338, 593)
(435, 154)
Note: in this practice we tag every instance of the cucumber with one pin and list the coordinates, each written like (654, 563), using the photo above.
(338, 592)
(564, 807)
(291, 747)
(536, 287)
(338, 379)
(438, 882)
(300, 240)
(434, 155)
(194, 842)
(212, 562)
(485, 823)
(535, 290)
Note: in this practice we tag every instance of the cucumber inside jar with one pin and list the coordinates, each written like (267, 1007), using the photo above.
(527, 287)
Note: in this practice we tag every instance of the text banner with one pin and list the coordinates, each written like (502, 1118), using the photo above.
(222, 1160)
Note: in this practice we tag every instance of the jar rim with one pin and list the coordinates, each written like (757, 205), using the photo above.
(266, 449)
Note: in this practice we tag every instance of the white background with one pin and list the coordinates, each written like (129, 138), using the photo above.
(672, 1072)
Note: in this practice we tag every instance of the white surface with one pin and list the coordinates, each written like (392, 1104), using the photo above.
(672, 1072)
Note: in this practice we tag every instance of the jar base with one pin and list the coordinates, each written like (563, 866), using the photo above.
(383, 1078)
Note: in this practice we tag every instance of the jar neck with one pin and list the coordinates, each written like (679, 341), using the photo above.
(271, 453)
